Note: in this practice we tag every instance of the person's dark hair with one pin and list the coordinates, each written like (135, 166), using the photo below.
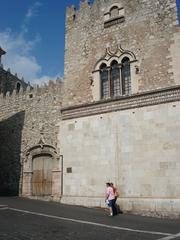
(108, 184)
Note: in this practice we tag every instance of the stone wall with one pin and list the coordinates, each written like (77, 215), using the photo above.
(132, 141)
(135, 144)
(25, 119)
(10, 152)
(150, 31)
(10, 82)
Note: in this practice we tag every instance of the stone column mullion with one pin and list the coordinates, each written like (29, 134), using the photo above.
(120, 80)
(109, 80)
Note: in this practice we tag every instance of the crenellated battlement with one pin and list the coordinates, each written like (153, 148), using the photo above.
(72, 14)
(10, 82)
(34, 93)
(28, 116)
(119, 107)
(40, 107)
(84, 5)
(148, 29)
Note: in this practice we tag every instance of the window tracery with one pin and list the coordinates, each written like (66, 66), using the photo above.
(115, 79)
(113, 73)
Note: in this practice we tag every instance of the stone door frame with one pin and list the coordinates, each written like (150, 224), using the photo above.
(31, 153)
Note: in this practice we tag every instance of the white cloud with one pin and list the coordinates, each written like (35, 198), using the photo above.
(45, 79)
(31, 12)
(18, 57)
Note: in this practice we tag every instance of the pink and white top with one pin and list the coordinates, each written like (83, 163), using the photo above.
(110, 193)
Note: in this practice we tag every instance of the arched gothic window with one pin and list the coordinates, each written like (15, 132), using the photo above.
(126, 76)
(104, 81)
(115, 79)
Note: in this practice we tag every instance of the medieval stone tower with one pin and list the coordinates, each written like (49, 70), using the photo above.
(145, 33)
(121, 116)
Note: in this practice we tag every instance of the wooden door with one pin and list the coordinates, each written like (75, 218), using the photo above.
(42, 176)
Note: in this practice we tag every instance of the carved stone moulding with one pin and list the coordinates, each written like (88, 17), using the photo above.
(139, 100)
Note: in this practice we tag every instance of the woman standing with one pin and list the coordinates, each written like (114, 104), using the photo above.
(110, 196)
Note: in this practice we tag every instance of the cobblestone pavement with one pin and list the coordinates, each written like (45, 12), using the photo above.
(29, 220)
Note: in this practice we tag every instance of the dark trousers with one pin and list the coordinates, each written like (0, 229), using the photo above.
(114, 207)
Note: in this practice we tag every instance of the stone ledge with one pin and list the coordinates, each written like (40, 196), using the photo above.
(114, 21)
(2, 207)
(154, 207)
(139, 100)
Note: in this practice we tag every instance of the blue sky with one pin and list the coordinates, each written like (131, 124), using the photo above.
(178, 6)
(32, 33)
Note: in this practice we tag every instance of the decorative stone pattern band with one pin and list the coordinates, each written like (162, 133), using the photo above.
(154, 97)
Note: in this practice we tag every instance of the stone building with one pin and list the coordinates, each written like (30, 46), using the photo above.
(28, 119)
(115, 118)
(120, 119)
(28, 126)
(8, 81)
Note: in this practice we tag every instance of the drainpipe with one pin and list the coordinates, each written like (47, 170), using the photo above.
(61, 157)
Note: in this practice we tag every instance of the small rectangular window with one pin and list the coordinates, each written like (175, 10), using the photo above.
(69, 170)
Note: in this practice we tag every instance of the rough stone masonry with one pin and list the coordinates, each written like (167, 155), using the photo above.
(64, 141)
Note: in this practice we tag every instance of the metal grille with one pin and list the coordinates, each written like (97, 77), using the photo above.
(115, 81)
(126, 77)
(104, 84)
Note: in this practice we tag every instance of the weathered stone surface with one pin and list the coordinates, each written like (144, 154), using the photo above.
(10, 82)
(150, 31)
(25, 119)
(132, 141)
(137, 149)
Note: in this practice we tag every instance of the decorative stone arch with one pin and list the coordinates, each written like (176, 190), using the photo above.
(106, 61)
(117, 54)
(42, 153)
(118, 5)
